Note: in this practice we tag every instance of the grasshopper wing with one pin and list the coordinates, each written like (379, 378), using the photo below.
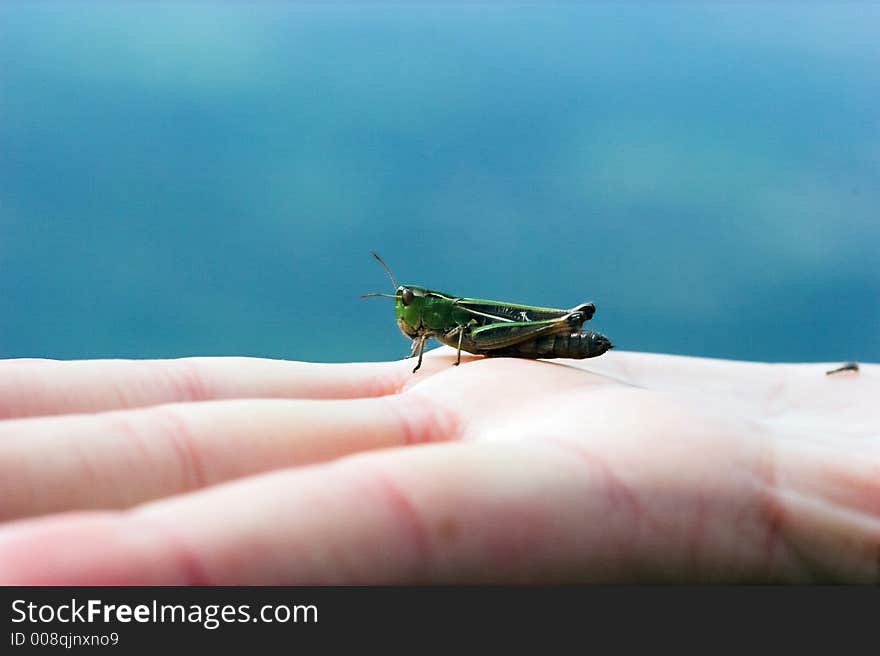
(515, 313)
(499, 335)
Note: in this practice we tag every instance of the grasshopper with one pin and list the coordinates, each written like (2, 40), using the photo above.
(491, 328)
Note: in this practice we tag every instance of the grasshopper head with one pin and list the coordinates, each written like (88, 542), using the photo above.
(409, 303)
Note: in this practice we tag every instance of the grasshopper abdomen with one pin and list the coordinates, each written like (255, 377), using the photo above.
(577, 346)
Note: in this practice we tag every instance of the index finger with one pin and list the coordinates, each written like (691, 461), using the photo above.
(31, 388)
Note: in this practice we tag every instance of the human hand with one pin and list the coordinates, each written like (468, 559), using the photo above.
(628, 467)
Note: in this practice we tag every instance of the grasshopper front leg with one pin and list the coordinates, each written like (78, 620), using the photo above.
(418, 345)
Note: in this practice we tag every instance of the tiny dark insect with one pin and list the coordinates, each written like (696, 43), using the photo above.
(849, 366)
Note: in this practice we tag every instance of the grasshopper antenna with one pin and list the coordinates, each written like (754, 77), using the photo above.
(387, 270)
(377, 294)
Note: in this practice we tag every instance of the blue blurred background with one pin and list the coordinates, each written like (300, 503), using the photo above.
(207, 179)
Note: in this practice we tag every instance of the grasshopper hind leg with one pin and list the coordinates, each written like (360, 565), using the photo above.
(583, 312)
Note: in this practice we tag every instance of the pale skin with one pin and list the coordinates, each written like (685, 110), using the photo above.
(626, 467)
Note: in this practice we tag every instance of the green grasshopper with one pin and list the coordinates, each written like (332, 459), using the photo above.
(491, 328)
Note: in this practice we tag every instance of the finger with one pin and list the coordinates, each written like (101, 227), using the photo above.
(473, 513)
(48, 387)
(463, 512)
(118, 459)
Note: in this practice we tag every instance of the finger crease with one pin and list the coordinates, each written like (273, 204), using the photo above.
(772, 511)
(421, 420)
(385, 384)
(180, 437)
(617, 491)
(187, 559)
(405, 514)
(189, 381)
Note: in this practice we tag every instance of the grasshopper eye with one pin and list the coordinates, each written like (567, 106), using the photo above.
(407, 296)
